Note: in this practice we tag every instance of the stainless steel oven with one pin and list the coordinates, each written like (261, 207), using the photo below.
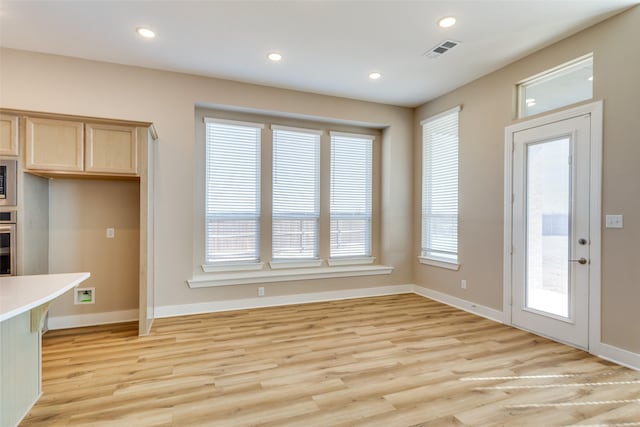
(8, 243)
(8, 182)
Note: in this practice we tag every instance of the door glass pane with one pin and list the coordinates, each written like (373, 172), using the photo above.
(548, 222)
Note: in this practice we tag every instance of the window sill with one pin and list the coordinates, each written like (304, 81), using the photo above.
(439, 263)
(249, 277)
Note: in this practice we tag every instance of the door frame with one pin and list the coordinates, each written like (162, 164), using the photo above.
(595, 109)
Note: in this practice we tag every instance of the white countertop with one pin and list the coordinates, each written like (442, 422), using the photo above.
(22, 293)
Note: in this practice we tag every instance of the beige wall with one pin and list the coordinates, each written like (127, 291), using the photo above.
(38, 82)
(488, 109)
(80, 210)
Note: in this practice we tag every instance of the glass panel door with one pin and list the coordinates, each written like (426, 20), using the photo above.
(550, 229)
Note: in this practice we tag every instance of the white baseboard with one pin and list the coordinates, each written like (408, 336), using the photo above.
(471, 307)
(241, 304)
(617, 355)
(79, 320)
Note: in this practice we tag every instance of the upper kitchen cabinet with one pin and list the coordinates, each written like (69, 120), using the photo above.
(72, 147)
(111, 149)
(9, 141)
(54, 145)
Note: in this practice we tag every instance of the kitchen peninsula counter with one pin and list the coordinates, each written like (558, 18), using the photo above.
(19, 294)
(24, 301)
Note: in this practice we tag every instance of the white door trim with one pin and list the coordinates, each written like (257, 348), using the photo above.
(595, 109)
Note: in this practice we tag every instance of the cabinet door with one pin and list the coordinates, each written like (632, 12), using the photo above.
(55, 145)
(111, 149)
(8, 135)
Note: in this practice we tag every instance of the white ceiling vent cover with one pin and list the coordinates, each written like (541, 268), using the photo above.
(441, 49)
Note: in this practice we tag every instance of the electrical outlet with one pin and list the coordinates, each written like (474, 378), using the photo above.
(463, 284)
(614, 221)
(261, 291)
(111, 233)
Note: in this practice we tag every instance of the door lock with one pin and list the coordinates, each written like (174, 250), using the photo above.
(582, 241)
(582, 260)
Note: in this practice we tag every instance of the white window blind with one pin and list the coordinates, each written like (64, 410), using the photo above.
(440, 186)
(350, 195)
(232, 231)
(296, 193)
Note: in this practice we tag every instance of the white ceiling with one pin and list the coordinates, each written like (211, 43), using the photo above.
(329, 47)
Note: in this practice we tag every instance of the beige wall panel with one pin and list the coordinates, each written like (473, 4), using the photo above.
(35, 248)
(487, 108)
(80, 212)
(39, 82)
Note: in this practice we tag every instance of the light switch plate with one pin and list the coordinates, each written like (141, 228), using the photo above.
(613, 221)
(111, 233)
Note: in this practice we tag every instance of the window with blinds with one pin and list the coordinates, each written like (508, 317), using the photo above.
(350, 195)
(296, 193)
(440, 187)
(232, 199)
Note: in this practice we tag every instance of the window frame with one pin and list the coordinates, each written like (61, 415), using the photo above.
(241, 264)
(292, 216)
(268, 270)
(367, 216)
(547, 76)
(425, 257)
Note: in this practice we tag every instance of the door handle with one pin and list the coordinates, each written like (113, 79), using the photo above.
(582, 260)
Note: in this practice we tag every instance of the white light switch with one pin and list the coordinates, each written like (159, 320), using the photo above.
(613, 221)
(111, 233)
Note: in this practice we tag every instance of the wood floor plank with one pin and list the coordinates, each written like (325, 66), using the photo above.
(400, 360)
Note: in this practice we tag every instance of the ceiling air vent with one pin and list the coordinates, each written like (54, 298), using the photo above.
(441, 49)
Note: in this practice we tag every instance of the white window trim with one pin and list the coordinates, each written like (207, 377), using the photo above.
(295, 129)
(234, 122)
(456, 109)
(449, 265)
(251, 277)
(365, 136)
(554, 71)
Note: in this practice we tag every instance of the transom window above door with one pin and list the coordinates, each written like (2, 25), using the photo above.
(558, 87)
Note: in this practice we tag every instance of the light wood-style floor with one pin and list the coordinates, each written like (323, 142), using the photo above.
(388, 361)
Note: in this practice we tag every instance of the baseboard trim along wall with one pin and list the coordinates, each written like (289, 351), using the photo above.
(274, 301)
(471, 307)
(617, 355)
(92, 319)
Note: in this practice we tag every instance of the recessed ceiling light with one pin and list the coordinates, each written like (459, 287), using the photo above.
(375, 76)
(145, 32)
(274, 56)
(446, 22)
(591, 78)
